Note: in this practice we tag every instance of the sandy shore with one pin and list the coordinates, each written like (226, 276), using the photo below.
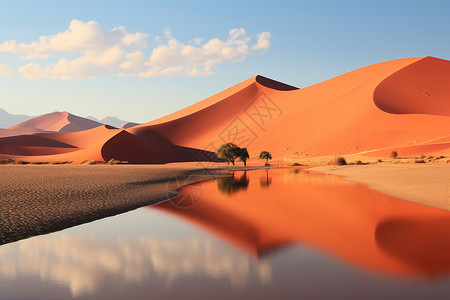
(38, 199)
(427, 184)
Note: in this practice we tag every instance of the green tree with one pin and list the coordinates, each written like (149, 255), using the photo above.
(241, 153)
(265, 155)
(227, 151)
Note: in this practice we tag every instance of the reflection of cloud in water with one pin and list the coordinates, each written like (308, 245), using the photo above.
(86, 264)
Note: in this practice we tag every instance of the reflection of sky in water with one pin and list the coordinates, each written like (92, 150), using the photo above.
(161, 254)
(129, 249)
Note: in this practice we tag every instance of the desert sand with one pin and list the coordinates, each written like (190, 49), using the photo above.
(397, 105)
(427, 184)
(38, 199)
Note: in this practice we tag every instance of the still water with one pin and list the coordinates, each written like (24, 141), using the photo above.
(265, 234)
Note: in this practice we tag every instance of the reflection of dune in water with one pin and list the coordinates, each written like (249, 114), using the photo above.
(421, 243)
(87, 264)
(346, 220)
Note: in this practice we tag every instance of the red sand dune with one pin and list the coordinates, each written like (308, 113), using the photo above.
(398, 105)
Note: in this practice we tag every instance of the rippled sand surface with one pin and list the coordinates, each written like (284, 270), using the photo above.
(38, 199)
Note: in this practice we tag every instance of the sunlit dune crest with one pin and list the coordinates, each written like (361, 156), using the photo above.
(395, 105)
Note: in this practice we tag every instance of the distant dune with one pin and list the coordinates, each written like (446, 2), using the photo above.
(400, 105)
(52, 122)
(58, 122)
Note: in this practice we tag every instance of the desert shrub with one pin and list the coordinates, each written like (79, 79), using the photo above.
(379, 160)
(419, 161)
(296, 164)
(20, 162)
(340, 161)
(394, 154)
(358, 162)
(6, 161)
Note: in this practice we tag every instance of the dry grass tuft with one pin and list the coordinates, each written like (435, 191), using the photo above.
(92, 162)
(113, 161)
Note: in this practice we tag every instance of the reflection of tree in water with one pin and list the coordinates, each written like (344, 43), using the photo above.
(266, 180)
(295, 171)
(232, 184)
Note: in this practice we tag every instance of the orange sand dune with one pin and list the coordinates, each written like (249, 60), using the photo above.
(420, 88)
(57, 122)
(20, 131)
(338, 116)
(366, 228)
(401, 104)
(71, 146)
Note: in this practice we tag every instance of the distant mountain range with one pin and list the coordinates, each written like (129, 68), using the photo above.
(7, 120)
(109, 120)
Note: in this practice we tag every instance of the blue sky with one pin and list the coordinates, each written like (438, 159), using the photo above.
(305, 42)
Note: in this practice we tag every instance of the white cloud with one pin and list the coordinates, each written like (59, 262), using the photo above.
(121, 53)
(4, 71)
(86, 265)
(263, 41)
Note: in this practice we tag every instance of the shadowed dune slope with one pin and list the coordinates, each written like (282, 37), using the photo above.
(395, 105)
(20, 131)
(32, 145)
(73, 146)
(147, 147)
